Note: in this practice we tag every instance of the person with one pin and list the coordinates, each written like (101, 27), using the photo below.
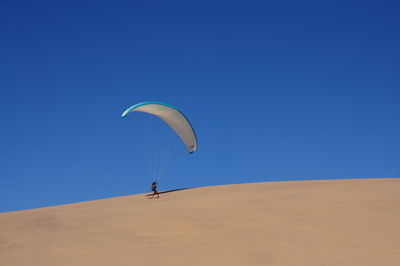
(154, 189)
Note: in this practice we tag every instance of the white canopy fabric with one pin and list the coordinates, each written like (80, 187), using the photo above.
(173, 117)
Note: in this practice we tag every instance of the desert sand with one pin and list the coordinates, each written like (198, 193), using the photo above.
(333, 222)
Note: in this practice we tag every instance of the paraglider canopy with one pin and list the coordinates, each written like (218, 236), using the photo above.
(173, 117)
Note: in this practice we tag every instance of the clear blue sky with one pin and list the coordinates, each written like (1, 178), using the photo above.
(276, 90)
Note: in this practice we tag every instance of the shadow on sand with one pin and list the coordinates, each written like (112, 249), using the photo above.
(169, 191)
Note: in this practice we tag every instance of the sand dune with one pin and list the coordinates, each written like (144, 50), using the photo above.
(341, 222)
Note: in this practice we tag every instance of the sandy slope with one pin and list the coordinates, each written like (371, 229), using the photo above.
(343, 222)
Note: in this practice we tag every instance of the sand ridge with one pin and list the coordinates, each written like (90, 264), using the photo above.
(328, 222)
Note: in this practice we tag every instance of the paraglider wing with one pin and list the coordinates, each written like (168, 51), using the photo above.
(173, 117)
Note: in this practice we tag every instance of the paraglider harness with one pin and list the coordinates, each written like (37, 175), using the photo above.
(154, 186)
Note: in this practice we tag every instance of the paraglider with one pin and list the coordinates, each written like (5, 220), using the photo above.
(181, 127)
(154, 189)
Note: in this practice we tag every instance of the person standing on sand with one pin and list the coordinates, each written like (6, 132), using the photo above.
(154, 189)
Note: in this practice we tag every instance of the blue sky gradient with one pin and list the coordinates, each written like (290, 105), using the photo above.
(278, 90)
